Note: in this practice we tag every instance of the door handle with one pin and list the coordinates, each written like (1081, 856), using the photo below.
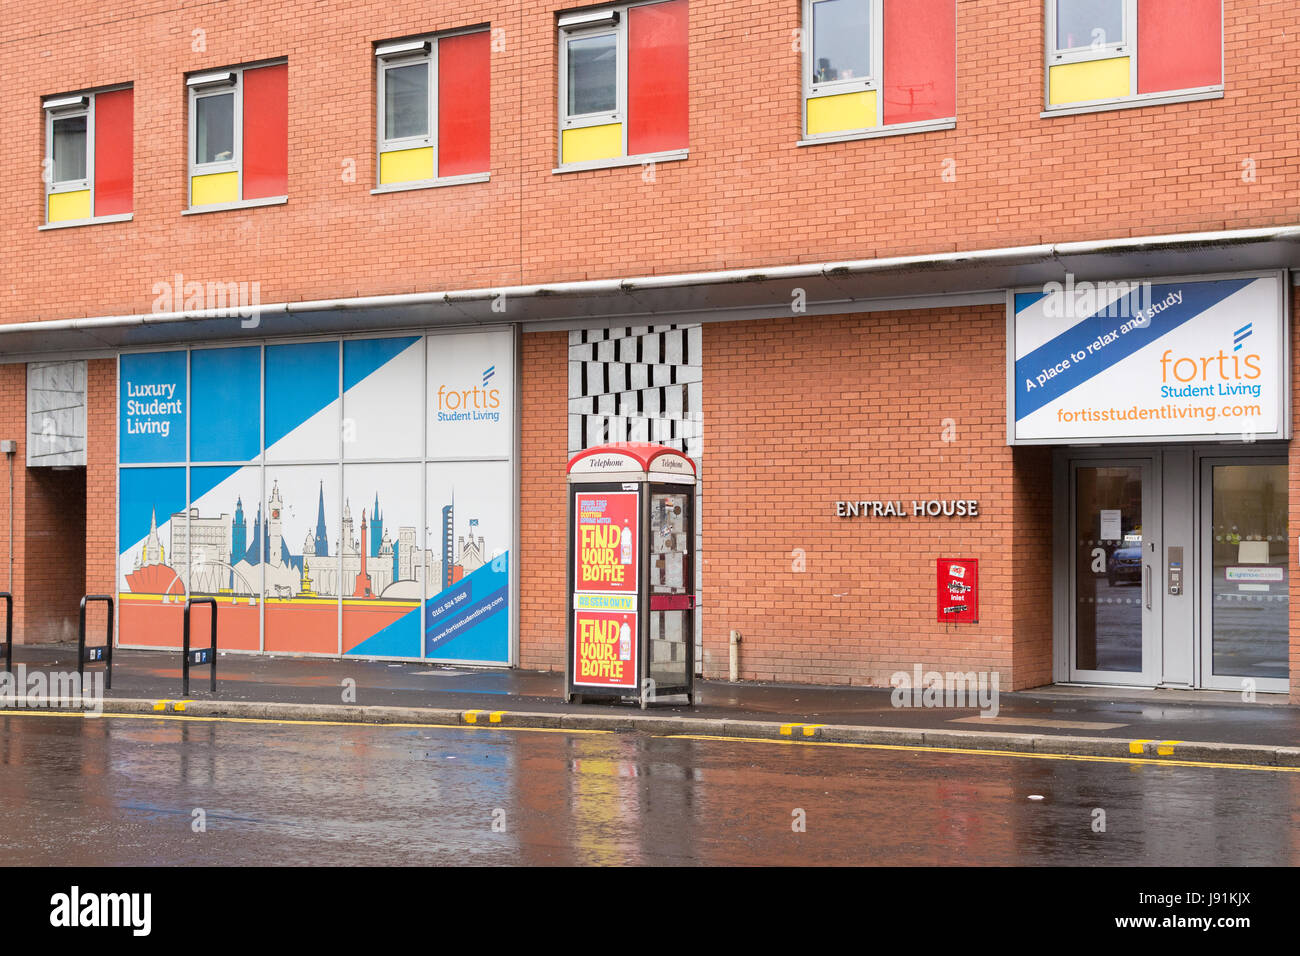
(1146, 584)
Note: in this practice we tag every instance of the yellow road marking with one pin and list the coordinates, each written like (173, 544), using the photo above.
(306, 723)
(1204, 764)
(171, 705)
(787, 730)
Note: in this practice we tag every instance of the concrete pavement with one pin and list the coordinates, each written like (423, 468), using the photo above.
(1169, 726)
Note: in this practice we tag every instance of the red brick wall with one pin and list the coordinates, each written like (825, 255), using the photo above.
(13, 425)
(801, 413)
(46, 516)
(101, 485)
(543, 536)
(746, 196)
(1030, 555)
(54, 568)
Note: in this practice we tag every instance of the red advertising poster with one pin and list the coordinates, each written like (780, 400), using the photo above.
(607, 548)
(958, 590)
(604, 649)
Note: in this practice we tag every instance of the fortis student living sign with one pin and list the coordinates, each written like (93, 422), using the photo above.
(1205, 359)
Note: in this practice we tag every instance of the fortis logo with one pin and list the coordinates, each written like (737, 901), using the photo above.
(1228, 367)
(471, 399)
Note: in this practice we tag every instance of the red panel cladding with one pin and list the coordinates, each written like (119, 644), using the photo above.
(658, 100)
(464, 104)
(266, 131)
(1180, 44)
(920, 69)
(114, 152)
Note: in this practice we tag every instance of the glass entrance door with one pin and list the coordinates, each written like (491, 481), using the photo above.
(1115, 608)
(1245, 574)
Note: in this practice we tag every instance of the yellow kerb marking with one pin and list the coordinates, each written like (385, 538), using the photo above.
(1135, 746)
(275, 721)
(1132, 761)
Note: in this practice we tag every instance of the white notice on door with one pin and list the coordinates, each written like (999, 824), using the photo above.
(1110, 525)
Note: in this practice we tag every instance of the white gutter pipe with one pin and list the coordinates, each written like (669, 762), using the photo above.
(828, 270)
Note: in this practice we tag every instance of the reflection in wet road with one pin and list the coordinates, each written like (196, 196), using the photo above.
(124, 791)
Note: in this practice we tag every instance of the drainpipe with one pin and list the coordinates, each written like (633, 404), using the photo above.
(1004, 256)
(10, 448)
(735, 657)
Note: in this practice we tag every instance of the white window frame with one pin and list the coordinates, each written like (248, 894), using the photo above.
(53, 112)
(814, 89)
(236, 163)
(811, 90)
(566, 31)
(64, 106)
(1129, 48)
(1105, 51)
(407, 57)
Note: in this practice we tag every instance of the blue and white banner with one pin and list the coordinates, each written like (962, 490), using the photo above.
(1117, 361)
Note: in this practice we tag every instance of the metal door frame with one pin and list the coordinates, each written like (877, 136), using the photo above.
(1198, 565)
(1204, 570)
(1068, 461)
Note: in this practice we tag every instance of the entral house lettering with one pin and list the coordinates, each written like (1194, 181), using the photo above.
(930, 508)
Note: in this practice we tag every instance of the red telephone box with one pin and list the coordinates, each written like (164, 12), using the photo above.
(631, 573)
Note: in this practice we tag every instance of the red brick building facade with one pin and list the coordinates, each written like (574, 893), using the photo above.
(852, 289)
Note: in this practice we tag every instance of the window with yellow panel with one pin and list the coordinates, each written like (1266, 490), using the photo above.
(434, 110)
(88, 157)
(624, 85)
(1113, 54)
(877, 68)
(238, 140)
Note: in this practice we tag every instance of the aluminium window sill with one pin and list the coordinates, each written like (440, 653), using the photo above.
(94, 221)
(1133, 102)
(879, 132)
(431, 183)
(241, 204)
(669, 156)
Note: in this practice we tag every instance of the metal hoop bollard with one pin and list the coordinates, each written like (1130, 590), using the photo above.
(202, 655)
(90, 655)
(8, 645)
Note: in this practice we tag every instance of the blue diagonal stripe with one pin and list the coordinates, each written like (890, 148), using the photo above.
(1197, 298)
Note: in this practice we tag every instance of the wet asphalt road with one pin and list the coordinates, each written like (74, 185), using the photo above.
(111, 791)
